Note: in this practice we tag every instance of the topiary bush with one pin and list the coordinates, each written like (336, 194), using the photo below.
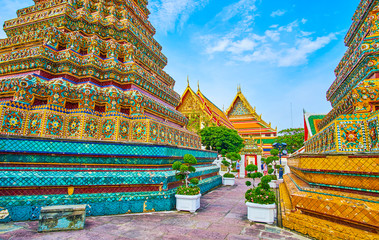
(182, 172)
(191, 190)
(260, 195)
(251, 168)
(229, 175)
(251, 174)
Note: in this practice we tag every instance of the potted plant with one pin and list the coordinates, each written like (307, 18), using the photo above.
(260, 202)
(188, 195)
(229, 178)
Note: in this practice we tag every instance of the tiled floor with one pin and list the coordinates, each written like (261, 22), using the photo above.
(222, 216)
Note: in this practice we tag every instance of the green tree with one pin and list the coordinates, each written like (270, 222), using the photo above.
(293, 137)
(221, 139)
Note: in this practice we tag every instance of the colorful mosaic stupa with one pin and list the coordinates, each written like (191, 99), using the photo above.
(88, 114)
(250, 126)
(332, 191)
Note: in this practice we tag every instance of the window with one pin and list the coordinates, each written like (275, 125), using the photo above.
(71, 105)
(125, 110)
(39, 102)
(100, 108)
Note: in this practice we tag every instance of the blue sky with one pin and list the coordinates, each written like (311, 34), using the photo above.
(281, 52)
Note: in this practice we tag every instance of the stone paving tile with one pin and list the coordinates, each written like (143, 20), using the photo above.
(222, 215)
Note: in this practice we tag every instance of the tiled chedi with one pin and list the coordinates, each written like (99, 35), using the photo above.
(332, 191)
(87, 113)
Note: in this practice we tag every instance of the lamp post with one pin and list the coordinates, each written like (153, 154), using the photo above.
(282, 151)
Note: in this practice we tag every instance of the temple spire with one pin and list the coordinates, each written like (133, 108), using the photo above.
(188, 81)
(198, 85)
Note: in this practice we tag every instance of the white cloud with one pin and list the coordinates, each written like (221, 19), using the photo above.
(242, 7)
(298, 54)
(289, 27)
(291, 56)
(242, 13)
(294, 51)
(304, 34)
(168, 14)
(278, 13)
(273, 35)
(219, 47)
(281, 45)
(241, 46)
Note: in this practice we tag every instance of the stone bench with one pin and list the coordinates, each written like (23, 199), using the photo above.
(62, 218)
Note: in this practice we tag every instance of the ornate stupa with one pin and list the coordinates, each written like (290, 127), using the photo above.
(332, 191)
(88, 113)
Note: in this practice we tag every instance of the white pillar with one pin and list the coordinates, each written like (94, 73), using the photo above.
(242, 166)
(259, 163)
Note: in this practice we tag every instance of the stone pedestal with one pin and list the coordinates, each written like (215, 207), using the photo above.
(62, 218)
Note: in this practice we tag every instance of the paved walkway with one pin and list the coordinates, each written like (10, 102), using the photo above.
(222, 215)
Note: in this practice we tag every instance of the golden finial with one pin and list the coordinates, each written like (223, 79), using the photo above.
(238, 88)
(198, 85)
(188, 81)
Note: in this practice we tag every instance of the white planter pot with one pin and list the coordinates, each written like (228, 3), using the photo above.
(187, 202)
(273, 184)
(228, 181)
(261, 212)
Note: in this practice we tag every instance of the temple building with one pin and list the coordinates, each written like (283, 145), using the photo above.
(332, 191)
(250, 126)
(200, 111)
(311, 121)
(87, 113)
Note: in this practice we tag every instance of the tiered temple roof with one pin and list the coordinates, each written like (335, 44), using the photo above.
(250, 125)
(311, 121)
(201, 110)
